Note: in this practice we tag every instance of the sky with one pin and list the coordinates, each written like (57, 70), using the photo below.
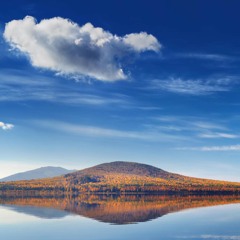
(88, 82)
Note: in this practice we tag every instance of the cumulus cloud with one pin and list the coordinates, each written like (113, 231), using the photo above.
(6, 126)
(65, 47)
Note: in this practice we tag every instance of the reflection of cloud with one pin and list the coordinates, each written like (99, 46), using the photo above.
(65, 47)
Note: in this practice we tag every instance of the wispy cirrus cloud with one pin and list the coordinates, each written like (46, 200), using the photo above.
(23, 86)
(195, 127)
(206, 56)
(211, 236)
(19, 86)
(218, 135)
(190, 121)
(208, 125)
(195, 87)
(95, 131)
(63, 46)
(6, 126)
(213, 148)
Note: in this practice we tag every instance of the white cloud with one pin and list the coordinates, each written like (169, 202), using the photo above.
(142, 42)
(6, 126)
(65, 47)
(194, 86)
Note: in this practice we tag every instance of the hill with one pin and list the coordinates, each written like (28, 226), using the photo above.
(120, 178)
(127, 168)
(43, 172)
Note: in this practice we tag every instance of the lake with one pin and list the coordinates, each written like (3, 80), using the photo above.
(104, 217)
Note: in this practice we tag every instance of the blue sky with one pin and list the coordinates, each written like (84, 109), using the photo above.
(87, 82)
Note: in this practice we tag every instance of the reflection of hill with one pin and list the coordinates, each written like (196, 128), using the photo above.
(116, 209)
(40, 212)
(43, 172)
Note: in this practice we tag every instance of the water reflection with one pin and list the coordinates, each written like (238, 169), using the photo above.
(113, 209)
(39, 212)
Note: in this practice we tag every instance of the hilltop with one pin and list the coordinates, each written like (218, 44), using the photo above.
(127, 168)
(120, 177)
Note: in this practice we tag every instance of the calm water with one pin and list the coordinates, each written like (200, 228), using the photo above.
(132, 217)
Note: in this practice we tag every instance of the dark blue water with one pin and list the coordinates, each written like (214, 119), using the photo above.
(101, 221)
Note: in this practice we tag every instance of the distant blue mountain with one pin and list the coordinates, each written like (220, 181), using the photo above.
(43, 172)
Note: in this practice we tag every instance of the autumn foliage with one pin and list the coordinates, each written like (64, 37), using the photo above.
(119, 178)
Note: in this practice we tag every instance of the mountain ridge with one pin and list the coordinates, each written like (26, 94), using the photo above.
(38, 173)
(121, 178)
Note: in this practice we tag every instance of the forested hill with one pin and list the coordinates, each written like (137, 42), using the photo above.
(120, 177)
(126, 168)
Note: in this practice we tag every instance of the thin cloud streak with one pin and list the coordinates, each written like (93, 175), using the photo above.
(218, 135)
(93, 131)
(206, 56)
(213, 148)
(16, 86)
(197, 127)
(197, 87)
(209, 236)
